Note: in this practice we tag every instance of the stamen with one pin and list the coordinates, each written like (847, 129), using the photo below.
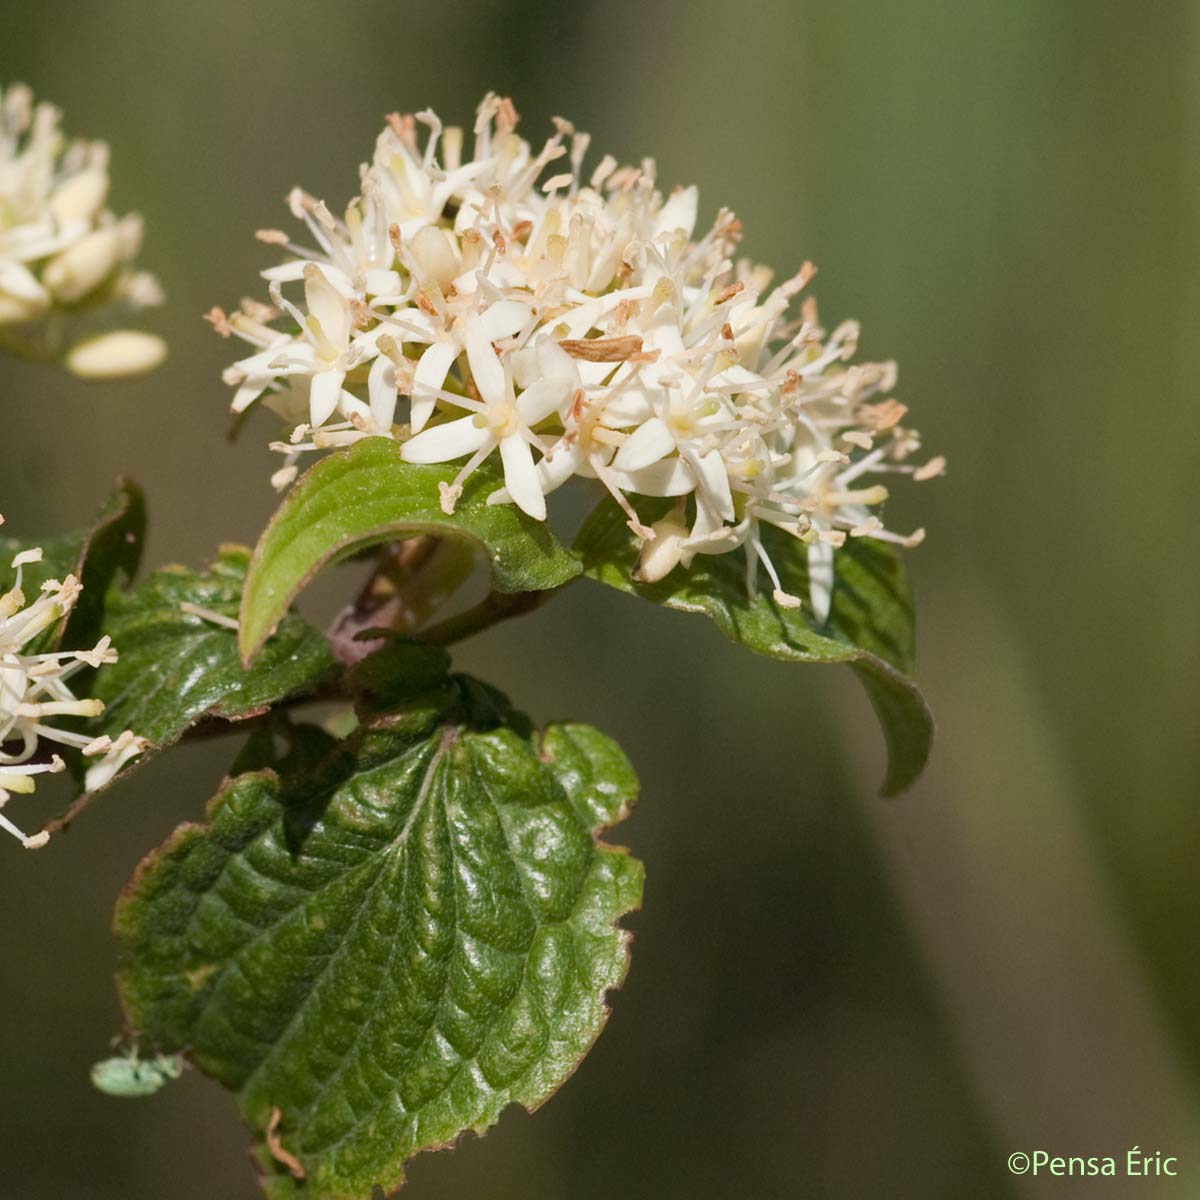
(207, 614)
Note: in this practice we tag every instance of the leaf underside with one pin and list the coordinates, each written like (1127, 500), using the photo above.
(384, 948)
(870, 626)
(366, 495)
(176, 667)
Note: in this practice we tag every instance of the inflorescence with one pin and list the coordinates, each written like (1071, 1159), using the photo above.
(65, 258)
(572, 322)
(35, 692)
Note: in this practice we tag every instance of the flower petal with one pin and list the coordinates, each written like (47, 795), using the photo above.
(379, 282)
(328, 306)
(412, 325)
(629, 406)
(521, 476)
(285, 356)
(539, 400)
(443, 443)
(248, 392)
(504, 319)
(667, 477)
(428, 378)
(555, 363)
(647, 444)
(485, 364)
(820, 578)
(679, 212)
(19, 281)
(351, 406)
(559, 465)
(381, 387)
(323, 395)
(288, 272)
(715, 477)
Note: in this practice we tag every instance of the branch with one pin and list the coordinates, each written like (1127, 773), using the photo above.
(491, 610)
(204, 730)
(411, 580)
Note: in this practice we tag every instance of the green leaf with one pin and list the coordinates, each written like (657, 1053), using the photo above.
(283, 746)
(399, 671)
(110, 556)
(366, 495)
(870, 625)
(176, 667)
(99, 556)
(382, 950)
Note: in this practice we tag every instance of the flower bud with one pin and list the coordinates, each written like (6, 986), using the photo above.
(63, 254)
(432, 251)
(21, 296)
(663, 552)
(80, 197)
(116, 355)
(84, 266)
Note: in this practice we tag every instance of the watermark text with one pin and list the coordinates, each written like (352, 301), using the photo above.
(1134, 1163)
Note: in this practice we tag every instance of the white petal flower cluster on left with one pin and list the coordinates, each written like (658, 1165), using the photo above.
(574, 324)
(65, 258)
(35, 691)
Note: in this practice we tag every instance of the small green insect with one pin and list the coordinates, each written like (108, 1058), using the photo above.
(127, 1075)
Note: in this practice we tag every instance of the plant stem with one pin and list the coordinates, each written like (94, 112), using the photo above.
(204, 730)
(412, 580)
(491, 610)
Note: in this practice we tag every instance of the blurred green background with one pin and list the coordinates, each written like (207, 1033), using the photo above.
(832, 995)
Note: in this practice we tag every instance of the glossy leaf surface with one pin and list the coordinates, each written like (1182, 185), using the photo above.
(366, 495)
(385, 948)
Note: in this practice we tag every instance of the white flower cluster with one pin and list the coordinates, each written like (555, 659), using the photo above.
(578, 327)
(61, 250)
(34, 690)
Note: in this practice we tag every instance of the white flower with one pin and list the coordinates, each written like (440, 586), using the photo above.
(503, 420)
(61, 249)
(579, 326)
(34, 692)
